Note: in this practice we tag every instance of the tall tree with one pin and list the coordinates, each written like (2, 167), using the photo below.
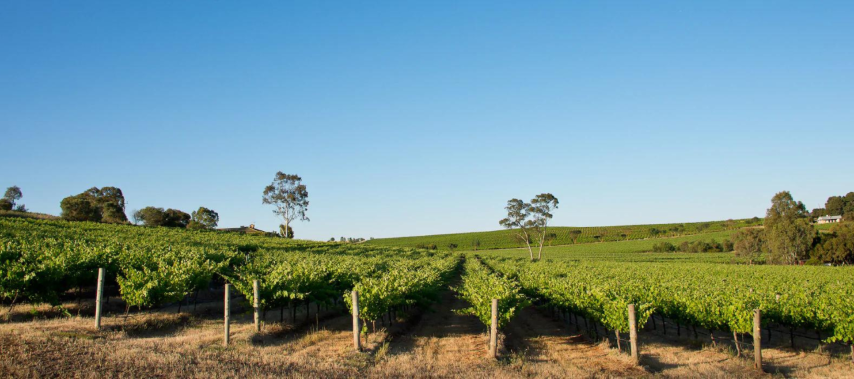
(848, 208)
(289, 196)
(784, 208)
(12, 195)
(176, 218)
(80, 208)
(574, 234)
(839, 246)
(151, 216)
(790, 242)
(112, 203)
(203, 218)
(835, 205)
(749, 243)
(99, 205)
(530, 220)
(788, 234)
(518, 213)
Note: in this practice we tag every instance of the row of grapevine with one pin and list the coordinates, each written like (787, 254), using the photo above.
(480, 285)
(715, 297)
(403, 282)
(42, 260)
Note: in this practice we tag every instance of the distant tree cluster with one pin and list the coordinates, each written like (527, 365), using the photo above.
(10, 199)
(203, 218)
(837, 206)
(695, 247)
(106, 204)
(348, 240)
(836, 247)
(789, 238)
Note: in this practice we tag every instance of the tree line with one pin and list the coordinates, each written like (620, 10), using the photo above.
(788, 236)
(837, 206)
(107, 205)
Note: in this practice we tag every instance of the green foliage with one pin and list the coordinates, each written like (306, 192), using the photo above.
(205, 218)
(838, 247)
(663, 247)
(106, 204)
(506, 239)
(749, 243)
(174, 218)
(80, 208)
(13, 194)
(790, 242)
(10, 199)
(287, 232)
(480, 285)
(405, 282)
(289, 196)
(713, 296)
(788, 234)
(155, 266)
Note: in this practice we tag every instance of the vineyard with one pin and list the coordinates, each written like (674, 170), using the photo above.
(397, 294)
(153, 267)
(505, 239)
(711, 296)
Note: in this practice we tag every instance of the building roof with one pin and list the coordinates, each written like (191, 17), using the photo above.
(829, 218)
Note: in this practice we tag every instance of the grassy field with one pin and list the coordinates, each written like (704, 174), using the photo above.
(564, 235)
(628, 251)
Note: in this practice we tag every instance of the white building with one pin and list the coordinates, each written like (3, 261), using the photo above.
(828, 219)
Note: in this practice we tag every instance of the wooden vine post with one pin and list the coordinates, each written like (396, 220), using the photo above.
(633, 334)
(357, 341)
(757, 338)
(227, 313)
(493, 330)
(99, 298)
(256, 305)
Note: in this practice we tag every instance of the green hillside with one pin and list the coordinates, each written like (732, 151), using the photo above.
(564, 235)
(622, 250)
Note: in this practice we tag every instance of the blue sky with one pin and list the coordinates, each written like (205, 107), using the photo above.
(410, 118)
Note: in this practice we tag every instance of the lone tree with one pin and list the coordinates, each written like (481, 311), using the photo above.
(289, 196)
(10, 198)
(574, 234)
(530, 220)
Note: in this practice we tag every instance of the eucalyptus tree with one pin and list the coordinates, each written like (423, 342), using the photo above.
(788, 234)
(289, 196)
(530, 220)
(203, 218)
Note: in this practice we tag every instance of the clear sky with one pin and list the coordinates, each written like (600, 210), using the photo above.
(408, 118)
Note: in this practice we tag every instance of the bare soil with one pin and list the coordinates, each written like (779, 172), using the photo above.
(432, 343)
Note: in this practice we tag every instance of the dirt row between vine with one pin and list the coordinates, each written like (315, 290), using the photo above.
(434, 343)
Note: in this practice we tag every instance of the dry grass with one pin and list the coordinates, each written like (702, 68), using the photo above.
(437, 343)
